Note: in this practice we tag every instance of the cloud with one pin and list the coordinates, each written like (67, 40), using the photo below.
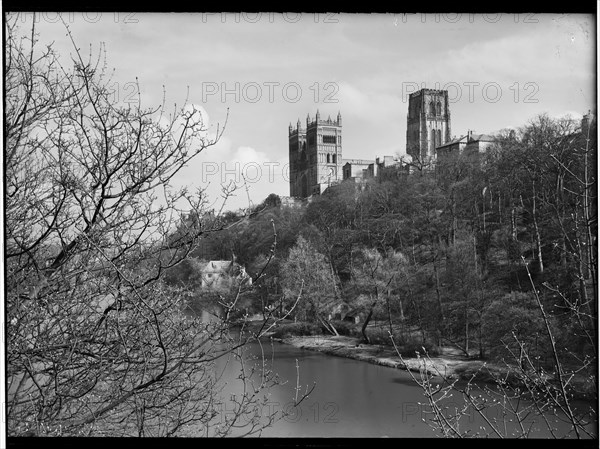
(251, 170)
(352, 98)
(370, 58)
(246, 155)
(548, 53)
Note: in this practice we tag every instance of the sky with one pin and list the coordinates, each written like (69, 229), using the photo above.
(257, 73)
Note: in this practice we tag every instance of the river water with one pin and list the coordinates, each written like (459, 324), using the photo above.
(350, 399)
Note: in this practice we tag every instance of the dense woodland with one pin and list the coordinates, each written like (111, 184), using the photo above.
(453, 256)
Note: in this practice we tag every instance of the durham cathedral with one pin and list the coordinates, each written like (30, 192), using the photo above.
(315, 151)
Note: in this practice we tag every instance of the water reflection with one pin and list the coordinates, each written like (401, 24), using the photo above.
(351, 399)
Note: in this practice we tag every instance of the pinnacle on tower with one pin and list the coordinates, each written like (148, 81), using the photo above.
(339, 118)
(318, 116)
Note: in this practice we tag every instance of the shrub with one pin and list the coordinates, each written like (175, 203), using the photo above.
(381, 336)
(412, 346)
(297, 329)
(407, 346)
(489, 374)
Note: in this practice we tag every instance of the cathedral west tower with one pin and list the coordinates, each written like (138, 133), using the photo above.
(428, 123)
(315, 155)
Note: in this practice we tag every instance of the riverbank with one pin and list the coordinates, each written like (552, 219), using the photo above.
(449, 364)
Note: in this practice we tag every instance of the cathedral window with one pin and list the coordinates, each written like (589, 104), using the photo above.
(329, 139)
(328, 158)
(432, 108)
(333, 158)
(439, 108)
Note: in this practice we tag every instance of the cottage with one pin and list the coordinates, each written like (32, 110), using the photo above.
(223, 274)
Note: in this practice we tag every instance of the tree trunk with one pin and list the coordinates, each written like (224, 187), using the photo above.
(366, 323)
(466, 329)
(452, 238)
(479, 288)
(537, 232)
(418, 311)
(389, 310)
(402, 318)
(333, 328)
(481, 347)
(590, 214)
(401, 305)
(437, 290)
(327, 325)
(513, 224)
(438, 294)
(334, 278)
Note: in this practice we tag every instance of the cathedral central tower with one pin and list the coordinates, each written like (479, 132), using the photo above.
(428, 123)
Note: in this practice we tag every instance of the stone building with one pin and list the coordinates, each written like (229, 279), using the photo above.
(468, 144)
(454, 146)
(356, 168)
(470, 147)
(428, 123)
(316, 162)
(315, 155)
(364, 169)
(291, 202)
(478, 143)
(587, 122)
(219, 275)
(315, 152)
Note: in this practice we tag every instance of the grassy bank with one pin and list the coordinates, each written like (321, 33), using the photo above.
(445, 364)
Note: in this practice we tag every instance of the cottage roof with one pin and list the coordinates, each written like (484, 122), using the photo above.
(215, 266)
(356, 161)
(482, 138)
(454, 141)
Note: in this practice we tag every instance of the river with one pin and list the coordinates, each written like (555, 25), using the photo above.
(350, 399)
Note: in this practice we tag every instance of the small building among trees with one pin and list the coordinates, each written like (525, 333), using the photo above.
(223, 274)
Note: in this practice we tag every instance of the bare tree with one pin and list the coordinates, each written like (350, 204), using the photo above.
(523, 401)
(97, 343)
(374, 275)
